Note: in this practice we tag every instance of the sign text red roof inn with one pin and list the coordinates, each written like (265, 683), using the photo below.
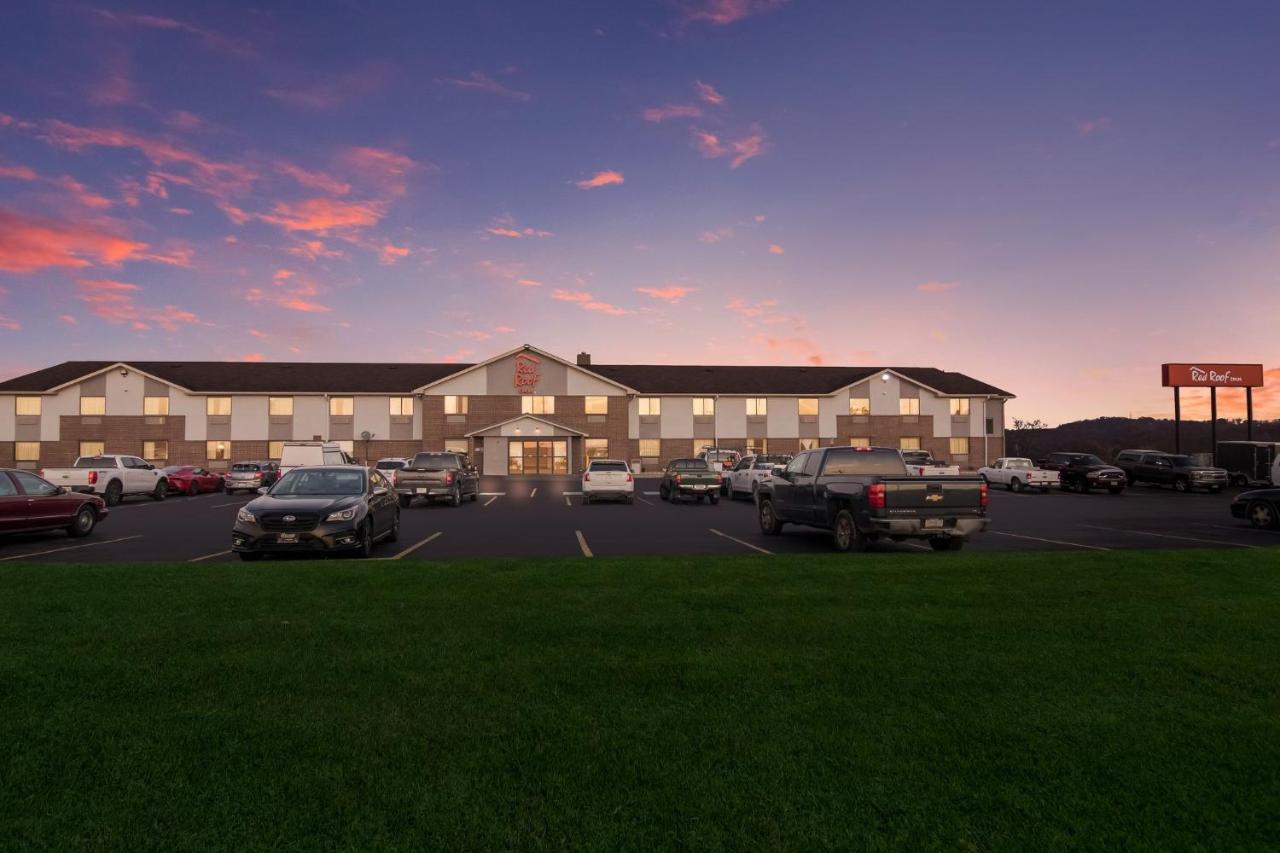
(1211, 375)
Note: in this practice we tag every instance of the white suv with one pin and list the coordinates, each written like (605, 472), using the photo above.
(608, 478)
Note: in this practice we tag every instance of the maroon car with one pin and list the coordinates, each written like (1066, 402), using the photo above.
(29, 503)
(192, 479)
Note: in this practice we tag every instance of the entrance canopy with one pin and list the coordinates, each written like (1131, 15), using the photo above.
(525, 426)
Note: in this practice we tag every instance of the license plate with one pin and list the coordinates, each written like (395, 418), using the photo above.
(932, 523)
(699, 488)
(287, 538)
(421, 491)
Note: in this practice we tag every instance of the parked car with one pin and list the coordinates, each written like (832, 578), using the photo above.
(1250, 463)
(1169, 469)
(721, 461)
(251, 476)
(920, 463)
(438, 475)
(1261, 507)
(324, 509)
(1016, 473)
(389, 467)
(29, 504)
(305, 454)
(747, 475)
(192, 479)
(111, 476)
(608, 478)
(1084, 471)
(862, 494)
(689, 478)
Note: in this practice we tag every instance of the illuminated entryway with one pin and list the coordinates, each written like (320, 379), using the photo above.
(528, 445)
(537, 457)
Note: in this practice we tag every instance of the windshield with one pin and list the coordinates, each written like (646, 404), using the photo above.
(1088, 459)
(95, 462)
(1180, 461)
(435, 460)
(1018, 463)
(864, 463)
(609, 466)
(176, 469)
(689, 464)
(319, 481)
(390, 464)
(242, 466)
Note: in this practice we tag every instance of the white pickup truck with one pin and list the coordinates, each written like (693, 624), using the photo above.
(1017, 474)
(920, 463)
(112, 476)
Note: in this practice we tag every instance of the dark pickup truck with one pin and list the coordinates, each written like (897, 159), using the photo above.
(862, 494)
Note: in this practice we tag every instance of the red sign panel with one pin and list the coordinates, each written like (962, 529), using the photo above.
(528, 372)
(1211, 375)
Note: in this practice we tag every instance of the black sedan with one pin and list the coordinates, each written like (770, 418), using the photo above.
(1260, 506)
(335, 508)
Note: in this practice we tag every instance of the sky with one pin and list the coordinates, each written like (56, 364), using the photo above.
(1053, 198)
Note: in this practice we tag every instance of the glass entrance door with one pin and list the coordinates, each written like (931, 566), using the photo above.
(544, 456)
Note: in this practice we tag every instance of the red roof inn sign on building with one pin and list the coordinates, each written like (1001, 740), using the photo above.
(528, 373)
(1213, 377)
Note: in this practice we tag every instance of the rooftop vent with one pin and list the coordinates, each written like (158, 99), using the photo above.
(584, 359)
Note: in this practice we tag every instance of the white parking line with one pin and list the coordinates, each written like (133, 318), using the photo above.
(491, 500)
(582, 543)
(407, 551)
(1050, 541)
(68, 548)
(568, 502)
(643, 501)
(1170, 536)
(534, 493)
(571, 493)
(651, 494)
(207, 557)
(739, 541)
(1237, 529)
(232, 503)
(492, 494)
(916, 545)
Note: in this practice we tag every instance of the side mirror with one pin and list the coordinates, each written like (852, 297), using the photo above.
(150, 467)
(778, 471)
(379, 491)
(63, 490)
(262, 490)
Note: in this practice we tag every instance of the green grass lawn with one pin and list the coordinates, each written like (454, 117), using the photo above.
(972, 701)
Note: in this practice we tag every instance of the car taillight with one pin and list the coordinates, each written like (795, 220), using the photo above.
(677, 478)
(875, 496)
(93, 478)
(40, 473)
(586, 476)
(448, 478)
(985, 493)
(628, 477)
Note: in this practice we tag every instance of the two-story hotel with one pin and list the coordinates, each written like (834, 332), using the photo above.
(521, 412)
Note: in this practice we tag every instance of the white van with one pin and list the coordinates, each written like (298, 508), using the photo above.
(306, 454)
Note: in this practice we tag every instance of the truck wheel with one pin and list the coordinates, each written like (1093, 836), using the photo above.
(664, 493)
(714, 498)
(1082, 486)
(1015, 485)
(86, 518)
(160, 492)
(455, 499)
(1262, 515)
(845, 535)
(1181, 485)
(1240, 480)
(405, 500)
(769, 524)
(113, 493)
(394, 534)
(947, 543)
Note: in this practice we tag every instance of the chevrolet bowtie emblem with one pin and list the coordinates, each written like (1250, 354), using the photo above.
(933, 498)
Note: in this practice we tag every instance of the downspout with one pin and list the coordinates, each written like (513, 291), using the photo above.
(986, 434)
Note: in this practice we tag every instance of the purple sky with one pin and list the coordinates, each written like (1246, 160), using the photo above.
(1054, 200)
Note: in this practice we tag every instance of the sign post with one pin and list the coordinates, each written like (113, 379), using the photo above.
(1213, 377)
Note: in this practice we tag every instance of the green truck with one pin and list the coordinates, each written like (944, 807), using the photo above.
(690, 478)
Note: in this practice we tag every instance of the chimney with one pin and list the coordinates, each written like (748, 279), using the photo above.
(584, 359)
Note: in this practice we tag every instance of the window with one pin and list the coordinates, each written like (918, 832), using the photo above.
(27, 406)
(757, 446)
(909, 443)
(960, 445)
(155, 450)
(757, 407)
(535, 405)
(960, 407)
(33, 485)
(341, 407)
(808, 444)
(909, 406)
(7, 488)
(93, 405)
(401, 407)
(217, 407)
(860, 406)
(808, 407)
(991, 426)
(275, 449)
(811, 464)
(704, 407)
(454, 405)
(650, 447)
(92, 448)
(156, 407)
(650, 407)
(26, 451)
(859, 442)
(597, 405)
(280, 407)
(796, 465)
(218, 450)
(457, 445)
(597, 448)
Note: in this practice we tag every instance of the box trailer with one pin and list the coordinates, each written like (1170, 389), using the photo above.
(1249, 462)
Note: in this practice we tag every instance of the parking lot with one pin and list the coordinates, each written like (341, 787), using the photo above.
(544, 517)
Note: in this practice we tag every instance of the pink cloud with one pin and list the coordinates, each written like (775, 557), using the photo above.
(716, 236)
(324, 215)
(180, 211)
(209, 38)
(738, 151)
(390, 253)
(505, 226)
(707, 92)
(329, 91)
(9, 323)
(314, 180)
(184, 121)
(252, 357)
(313, 249)
(1093, 125)
(937, 286)
(383, 169)
(587, 302)
(775, 249)
(478, 81)
(114, 84)
(742, 309)
(528, 282)
(671, 111)
(115, 302)
(571, 295)
(671, 293)
(802, 347)
(69, 320)
(81, 194)
(600, 179)
(29, 243)
(759, 217)
(18, 173)
(722, 12)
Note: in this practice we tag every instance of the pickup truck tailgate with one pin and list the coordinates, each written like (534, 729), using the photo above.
(915, 496)
(608, 478)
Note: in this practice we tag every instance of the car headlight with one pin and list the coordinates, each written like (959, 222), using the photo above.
(342, 515)
(246, 516)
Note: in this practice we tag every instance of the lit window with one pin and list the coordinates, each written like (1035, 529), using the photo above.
(275, 449)
(155, 406)
(280, 407)
(27, 406)
(456, 445)
(454, 405)
(909, 443)
(909, 406)
(597, 405)
(807, 406)
(401, 407)
(92, 448)
(960, 407)
(859, 442)
(538, 405)
(93, 405)
(650, 447)
(155, 450)
(217, 407)
(859, 405)
(757, 446)
(26, 451)
(704, 407)
(808, 444)
(960, 445)
(757, 407)
(218, 451)
(597, 448)
(341, 407)
(650, 407)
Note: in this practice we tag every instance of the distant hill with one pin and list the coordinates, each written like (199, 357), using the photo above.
(1108, 436)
